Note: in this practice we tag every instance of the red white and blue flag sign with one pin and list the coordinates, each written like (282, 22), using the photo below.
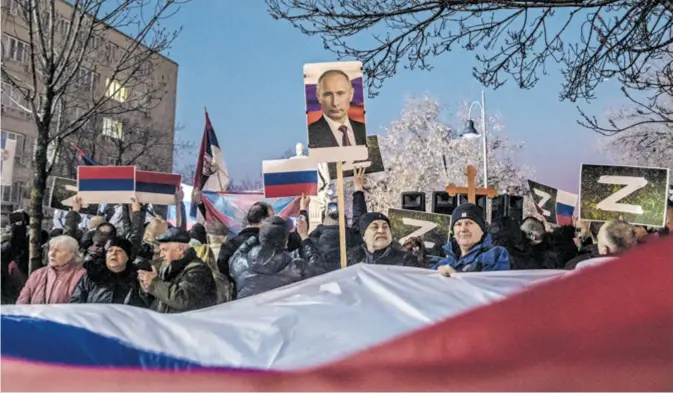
(290, 177)
(555, 205)
(156, 187)
(106, 184)
(521, 330)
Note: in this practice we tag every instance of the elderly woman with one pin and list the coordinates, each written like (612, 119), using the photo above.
(55, 282)
(110, 277)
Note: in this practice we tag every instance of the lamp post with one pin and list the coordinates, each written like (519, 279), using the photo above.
(471, 133)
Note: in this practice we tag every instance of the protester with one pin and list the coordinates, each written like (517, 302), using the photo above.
(614, 238)
(110, 278)
(216, 235)
(56, 282)
(518, 241)
(475, 249)
(256, 214)
(326, 235)
(262, 264)
(379, 247)
(184, 282)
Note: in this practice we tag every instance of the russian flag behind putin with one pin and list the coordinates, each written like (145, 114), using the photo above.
(290, 177)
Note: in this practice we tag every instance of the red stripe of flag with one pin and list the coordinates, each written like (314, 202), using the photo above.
(106, 172)
(290, 190)
(158, 177)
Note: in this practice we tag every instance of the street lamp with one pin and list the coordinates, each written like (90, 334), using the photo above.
(471, 133)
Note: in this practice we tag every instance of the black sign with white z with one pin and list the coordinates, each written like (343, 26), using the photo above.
(633, 194)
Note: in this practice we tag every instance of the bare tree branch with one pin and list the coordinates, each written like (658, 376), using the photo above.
(511, 39)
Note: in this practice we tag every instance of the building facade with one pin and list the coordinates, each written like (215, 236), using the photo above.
(110, 139)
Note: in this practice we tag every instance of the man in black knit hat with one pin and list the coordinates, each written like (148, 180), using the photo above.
(475, 251)
(378, 247)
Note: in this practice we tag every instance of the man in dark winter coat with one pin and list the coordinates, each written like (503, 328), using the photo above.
(258, 212)
(184, 282)
(110, 278)
(262, 264)
(379, 247)
(326, 235)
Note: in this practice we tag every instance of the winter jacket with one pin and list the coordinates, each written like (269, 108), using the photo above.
(224, 284)
(326, 237)
(185, 284)
(259, 268)
(481, 257)
(391, 255)
(51, 284)
(100, 285)
(230, 246)
(586, 252)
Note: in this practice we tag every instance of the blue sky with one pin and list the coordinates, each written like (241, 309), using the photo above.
(247, 69)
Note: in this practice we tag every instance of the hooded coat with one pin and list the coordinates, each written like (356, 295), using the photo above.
(482, 256)
(257, 268)
(51, 284)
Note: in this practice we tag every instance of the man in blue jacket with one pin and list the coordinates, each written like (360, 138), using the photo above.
(475, 251)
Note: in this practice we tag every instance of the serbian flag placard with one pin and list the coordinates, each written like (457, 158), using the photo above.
(291, 177)
(106, 184)
(157, 187)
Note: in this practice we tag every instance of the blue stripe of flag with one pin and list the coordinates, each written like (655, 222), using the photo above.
(283, 178)
(106, 184)
(564, 210)
(155, 188)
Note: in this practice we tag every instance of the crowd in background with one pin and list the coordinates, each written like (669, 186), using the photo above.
(153, 264)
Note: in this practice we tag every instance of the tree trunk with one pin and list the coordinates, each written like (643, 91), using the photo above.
(36, 199)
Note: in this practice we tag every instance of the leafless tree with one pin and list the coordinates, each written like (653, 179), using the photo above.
(66, 47)
(184, 152)
(250, 183)
(512, 39)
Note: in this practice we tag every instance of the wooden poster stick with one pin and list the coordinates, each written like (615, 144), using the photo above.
(342, 214)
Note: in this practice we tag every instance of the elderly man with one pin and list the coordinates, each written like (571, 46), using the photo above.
(475, 251)
(184, 282)
(614, 238)
(378, 247)
(334, 128)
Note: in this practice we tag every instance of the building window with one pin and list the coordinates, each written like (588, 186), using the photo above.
(116, 91)
(63, 25)
(110, 52)
(20, 143)
(87, 79)
(15, 49)
(13, 193)
(112, 128)
(13, 97)
(11, 5)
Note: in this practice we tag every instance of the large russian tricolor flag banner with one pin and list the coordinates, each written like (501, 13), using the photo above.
(157, 187)
(290, 177)
(398, 329)
(106, 184)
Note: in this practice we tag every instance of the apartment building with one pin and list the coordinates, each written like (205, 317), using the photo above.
(17, 124)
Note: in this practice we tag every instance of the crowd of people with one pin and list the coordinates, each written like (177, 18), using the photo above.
(155, 265)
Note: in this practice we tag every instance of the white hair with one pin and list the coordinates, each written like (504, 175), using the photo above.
(69, 244)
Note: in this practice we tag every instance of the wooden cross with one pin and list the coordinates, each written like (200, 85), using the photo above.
(471, 190)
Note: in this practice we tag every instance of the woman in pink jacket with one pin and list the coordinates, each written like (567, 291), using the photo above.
(55, 282)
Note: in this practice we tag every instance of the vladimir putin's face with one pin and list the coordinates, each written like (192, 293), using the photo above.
(335, 94)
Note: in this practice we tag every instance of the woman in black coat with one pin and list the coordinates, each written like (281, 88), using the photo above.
(110, 278)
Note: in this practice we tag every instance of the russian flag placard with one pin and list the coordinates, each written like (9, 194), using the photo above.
(157, 187)
(291, 177)
(106, 184)
(565, 207)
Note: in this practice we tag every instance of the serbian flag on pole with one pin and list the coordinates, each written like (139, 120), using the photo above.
(211, 171)
(290, 177)
(106, 184)
(83, 157)
(156, 187)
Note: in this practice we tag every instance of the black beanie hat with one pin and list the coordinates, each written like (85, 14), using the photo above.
(471, 211)
(274, 232)
(368, 218)
(122, 243)
(198, 232)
